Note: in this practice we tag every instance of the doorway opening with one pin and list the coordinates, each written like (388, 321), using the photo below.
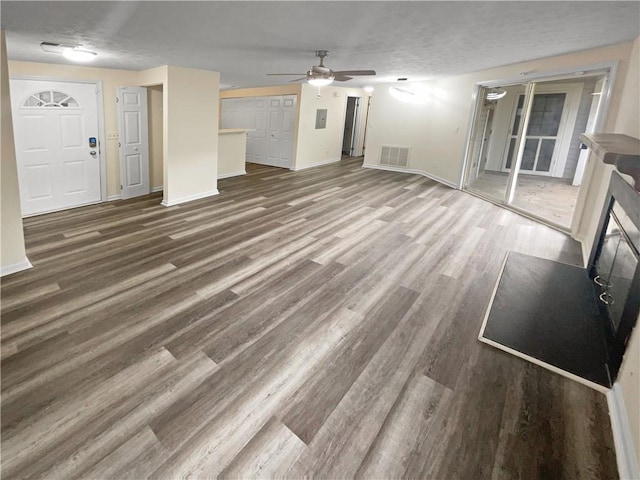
(350, 137)
(525, 149)
(156, 136)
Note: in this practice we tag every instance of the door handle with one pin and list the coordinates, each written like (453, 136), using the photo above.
(606, 298)
(92, 152)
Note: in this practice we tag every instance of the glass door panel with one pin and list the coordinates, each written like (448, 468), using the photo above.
(542, 133)
(544, 188)
(486, 175)
(537, 128)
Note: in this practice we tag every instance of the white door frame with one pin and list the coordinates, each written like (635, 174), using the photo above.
(484, 140)
(355, 125)
(609, 69)
(359, 129)
(102, 145)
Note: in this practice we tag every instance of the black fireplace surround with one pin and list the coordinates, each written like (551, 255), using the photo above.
(614, 267)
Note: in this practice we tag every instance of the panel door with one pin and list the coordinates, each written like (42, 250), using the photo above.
(256, 117)
(133, 141)
(57, 166)
(274, 124)
(287, 128)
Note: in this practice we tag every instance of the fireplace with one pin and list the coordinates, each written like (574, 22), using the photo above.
(614, 266)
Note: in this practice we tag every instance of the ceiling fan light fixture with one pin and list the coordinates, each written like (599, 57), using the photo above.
(320, 81)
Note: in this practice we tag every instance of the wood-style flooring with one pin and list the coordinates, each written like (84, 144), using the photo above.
(319, 323)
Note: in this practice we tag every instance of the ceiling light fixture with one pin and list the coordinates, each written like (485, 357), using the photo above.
(321, 81)
(78, 55)
(496, 94)
(368, 89)
(70, 51)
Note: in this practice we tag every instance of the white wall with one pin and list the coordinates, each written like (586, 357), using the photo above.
(321, 146)
(628, 122)
(191, 100)
(434, 131)
(232, 152)
(437, 130)
(313, 147)
(629, 382)
(13, 257)
(623, 118)
(111, 79)
(189, 141)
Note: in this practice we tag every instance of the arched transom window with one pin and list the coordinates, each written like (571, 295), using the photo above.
(50, 98)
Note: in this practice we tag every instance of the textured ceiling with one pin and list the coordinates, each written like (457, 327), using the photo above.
(245, 40)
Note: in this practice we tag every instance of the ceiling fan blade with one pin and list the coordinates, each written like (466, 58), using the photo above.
(286, 74)
(342, 78)
(355, 72)
(298, 79)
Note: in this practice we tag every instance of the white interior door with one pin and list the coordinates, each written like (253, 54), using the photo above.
(133, 141)
(255, 116)
(287, 128)
(58, 163)
(274, 145)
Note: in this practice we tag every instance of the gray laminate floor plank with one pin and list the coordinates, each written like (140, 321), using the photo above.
(320, 323)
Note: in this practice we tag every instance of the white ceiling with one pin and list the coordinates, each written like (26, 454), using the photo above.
(246, 40)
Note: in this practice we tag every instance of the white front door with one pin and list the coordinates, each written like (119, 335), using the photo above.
(56, 137)
(133, 141)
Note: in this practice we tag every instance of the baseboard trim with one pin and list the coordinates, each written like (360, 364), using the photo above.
(232, 174)
(318, 164)
(410, 170)
(15, 267)
(157, 189)
(625, 452)
(189, 198)
(112, 198)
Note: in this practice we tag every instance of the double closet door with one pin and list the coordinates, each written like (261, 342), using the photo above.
(271, 124)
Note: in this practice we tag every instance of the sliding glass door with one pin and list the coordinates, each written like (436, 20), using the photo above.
(525, 151)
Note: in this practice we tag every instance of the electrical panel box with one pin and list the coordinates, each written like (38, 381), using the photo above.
(321, 118)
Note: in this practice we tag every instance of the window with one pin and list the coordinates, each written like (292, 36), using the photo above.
(50, 98)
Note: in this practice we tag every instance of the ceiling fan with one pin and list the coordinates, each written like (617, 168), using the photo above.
(319, 75)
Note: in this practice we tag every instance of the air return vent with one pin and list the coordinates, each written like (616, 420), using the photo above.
(394, 155)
